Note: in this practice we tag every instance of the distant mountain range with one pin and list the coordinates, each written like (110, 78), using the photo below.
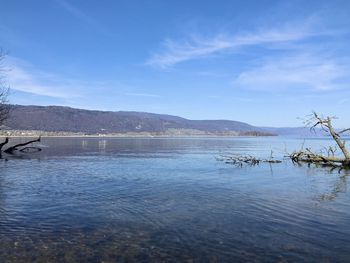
(66, 119)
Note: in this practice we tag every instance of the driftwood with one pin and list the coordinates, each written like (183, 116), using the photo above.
(307, 156)
(19, 147)
(4, 143)
(240, 160)
(331, 159)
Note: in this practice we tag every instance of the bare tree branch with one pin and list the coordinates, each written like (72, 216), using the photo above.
(4, 90)
(4, 114)
(325, 123)
(306, 155)
(343, 131)
(4, 143)
(11, 150)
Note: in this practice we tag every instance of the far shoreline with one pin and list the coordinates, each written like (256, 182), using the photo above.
(142, 134)
(135, 136)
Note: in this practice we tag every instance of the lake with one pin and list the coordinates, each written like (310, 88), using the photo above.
(170, 200)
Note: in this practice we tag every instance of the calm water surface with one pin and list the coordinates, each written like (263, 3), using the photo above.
(125, 200)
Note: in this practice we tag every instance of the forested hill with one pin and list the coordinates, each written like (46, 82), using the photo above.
(65, 119)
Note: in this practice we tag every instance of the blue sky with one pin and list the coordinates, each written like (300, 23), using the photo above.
(262, 62)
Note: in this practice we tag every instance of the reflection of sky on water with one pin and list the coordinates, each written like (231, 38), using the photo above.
(84, 144)
(102, 145)
(159, 199)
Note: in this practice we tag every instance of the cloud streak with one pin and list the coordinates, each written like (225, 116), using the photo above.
(79, 14)
(23, 77)
(142, 95)
(196, 47)
(300, 71)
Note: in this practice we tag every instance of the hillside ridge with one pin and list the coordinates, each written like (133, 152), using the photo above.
(67, 119)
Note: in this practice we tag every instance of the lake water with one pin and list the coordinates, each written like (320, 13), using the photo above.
(149, 199)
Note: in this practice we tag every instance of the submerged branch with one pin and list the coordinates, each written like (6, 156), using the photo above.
(310, 157)
(307, 156)
(16, 147)
(4, 143)
(240, 160)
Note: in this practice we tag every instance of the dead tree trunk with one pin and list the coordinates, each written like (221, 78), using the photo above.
(336, 137)
(310, 157)
(19, 147)
(4, 143)
(11, 150)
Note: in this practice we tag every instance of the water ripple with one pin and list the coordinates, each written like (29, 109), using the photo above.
(169, 200)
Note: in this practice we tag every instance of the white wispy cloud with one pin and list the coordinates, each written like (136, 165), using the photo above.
(300, 71)
(25, 77)
(82, 16)
(142, 95)
(22, 76)
(196, 46)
